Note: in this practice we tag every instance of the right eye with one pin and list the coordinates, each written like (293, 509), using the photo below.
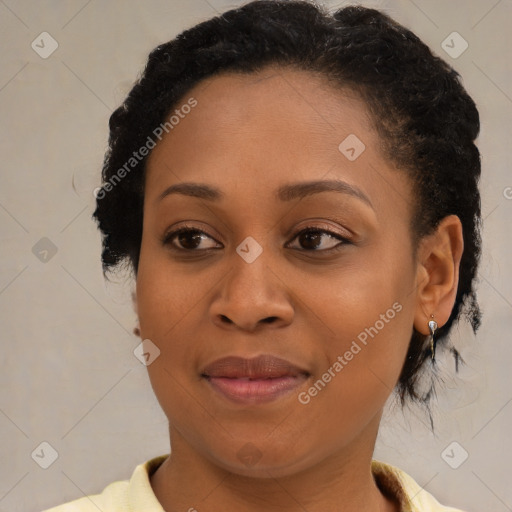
(189, 239)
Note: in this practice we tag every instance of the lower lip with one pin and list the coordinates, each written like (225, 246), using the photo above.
(245, 391)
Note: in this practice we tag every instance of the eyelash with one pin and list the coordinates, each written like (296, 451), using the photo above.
(169, 237)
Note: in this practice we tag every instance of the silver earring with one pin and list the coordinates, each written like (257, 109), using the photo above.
(432, 325)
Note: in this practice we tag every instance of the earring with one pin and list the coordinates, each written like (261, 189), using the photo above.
(432, 325)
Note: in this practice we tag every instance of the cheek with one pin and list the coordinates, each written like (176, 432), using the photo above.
(366, 354)
(362, 367)
(173, 314)
(164, 302)
(165, 294)
(369, 310)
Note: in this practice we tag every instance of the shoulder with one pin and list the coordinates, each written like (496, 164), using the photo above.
(109, 500)
(411, 496)
(134, 495)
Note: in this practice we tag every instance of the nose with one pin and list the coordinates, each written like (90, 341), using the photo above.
(252, 294)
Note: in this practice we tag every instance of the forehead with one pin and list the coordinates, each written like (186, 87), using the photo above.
(265, 128)
(278, 109)
(277, 96)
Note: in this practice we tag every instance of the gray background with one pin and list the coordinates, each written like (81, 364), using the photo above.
(68, 374)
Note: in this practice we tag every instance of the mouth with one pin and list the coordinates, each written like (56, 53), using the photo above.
(252, 381)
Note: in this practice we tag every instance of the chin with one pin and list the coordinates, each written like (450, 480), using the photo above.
(264, 460)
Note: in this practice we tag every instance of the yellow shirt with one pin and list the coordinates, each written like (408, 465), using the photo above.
(136, 494)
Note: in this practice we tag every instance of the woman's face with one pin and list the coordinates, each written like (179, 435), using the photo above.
(318, 275)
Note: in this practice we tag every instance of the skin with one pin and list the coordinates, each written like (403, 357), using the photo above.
(247, 136)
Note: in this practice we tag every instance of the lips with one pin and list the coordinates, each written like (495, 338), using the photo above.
(257, 380)
(261, 367)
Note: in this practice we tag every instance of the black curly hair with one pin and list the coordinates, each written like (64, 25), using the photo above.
(426, 120)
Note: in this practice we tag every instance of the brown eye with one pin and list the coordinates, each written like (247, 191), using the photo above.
(315, 239)
(187, 239)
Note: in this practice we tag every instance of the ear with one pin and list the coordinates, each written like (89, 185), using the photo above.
(136, 329)
(437, 275)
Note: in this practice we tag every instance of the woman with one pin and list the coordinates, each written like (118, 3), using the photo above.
(296, 193)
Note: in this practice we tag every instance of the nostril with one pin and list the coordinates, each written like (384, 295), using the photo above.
(267, 320)
(224, 318)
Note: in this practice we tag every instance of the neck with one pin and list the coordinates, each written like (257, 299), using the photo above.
(343, 481)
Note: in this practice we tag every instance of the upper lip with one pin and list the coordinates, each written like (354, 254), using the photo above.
(261, 367)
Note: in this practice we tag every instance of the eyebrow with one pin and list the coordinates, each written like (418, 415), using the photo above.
(284, 193)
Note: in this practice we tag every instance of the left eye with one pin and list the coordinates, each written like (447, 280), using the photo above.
(311, 239)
